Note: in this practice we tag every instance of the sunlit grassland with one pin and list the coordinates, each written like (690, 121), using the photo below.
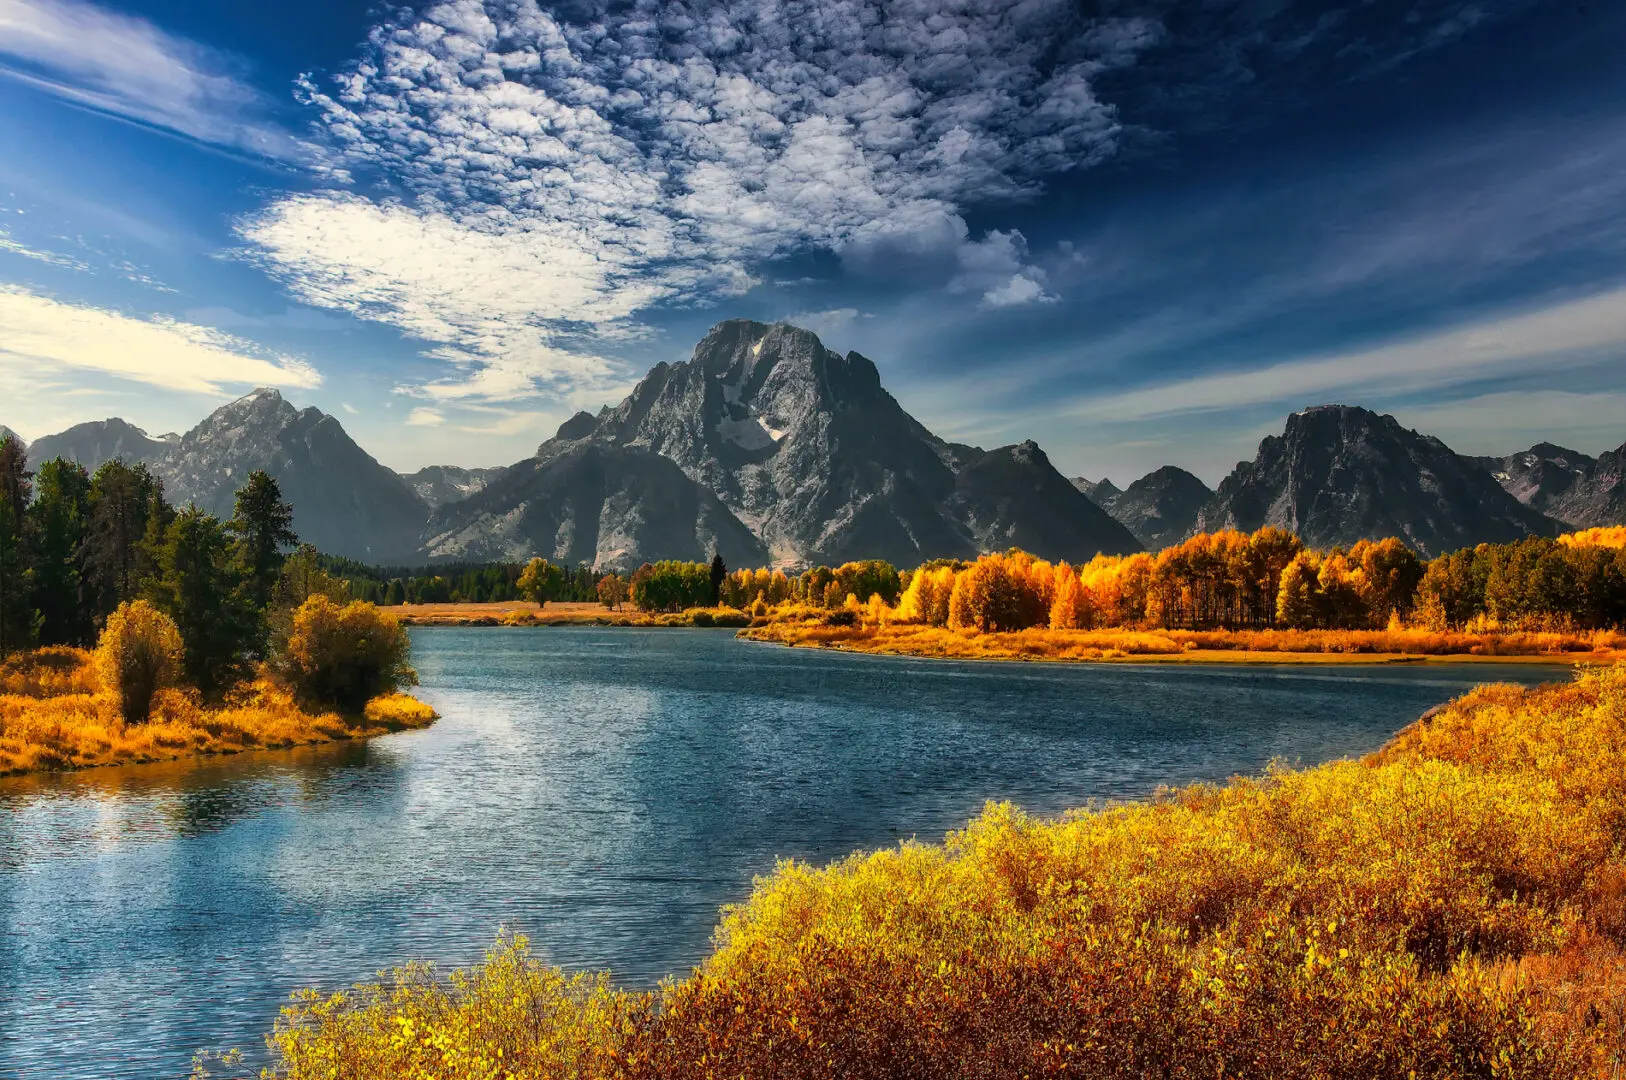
(1452, 906)
(1210, 646)
(54, 714)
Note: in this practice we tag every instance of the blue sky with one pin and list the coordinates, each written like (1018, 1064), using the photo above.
(1138, 231)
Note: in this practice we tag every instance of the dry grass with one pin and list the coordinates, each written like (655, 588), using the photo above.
(1452, 907)
(523, 613)
(1212, 646)
(53, 715)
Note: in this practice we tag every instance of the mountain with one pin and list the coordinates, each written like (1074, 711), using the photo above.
(1580, 491)
(438, 485)
(1339, 474)
(1101, 491)
(7, 433)
(1161, 507)
(344, 502)
(576, 501)
(92, 443)
(805, 447)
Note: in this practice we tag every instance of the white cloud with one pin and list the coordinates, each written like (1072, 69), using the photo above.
(1019, 290)
(425, 418)
(128, 67)
(43, 336)
(349, 408)
(52, 258)
(1577, 333)
(567, 176)
(827, 324)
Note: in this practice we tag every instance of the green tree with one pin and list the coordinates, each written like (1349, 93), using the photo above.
(262, 527)
(58, 520)
(719, 573)
(19, 619)
(122, 498)
(540, 581)
(198, 587)
(395, 593)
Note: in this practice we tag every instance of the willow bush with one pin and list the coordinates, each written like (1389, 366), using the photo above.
(1452, 907)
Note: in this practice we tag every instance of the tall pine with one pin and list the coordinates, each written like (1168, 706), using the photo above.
(198, 585)
(123, 499)
(19, 619)
(58, 518)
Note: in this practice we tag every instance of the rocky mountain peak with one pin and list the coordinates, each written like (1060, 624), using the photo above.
(1579, 490)
(1340, 473)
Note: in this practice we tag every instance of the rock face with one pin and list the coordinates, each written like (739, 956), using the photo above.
(438, 485)
(1161, 507)
(1101, 491)
(1580, 491)
(101, 440)
(808, 450)
(583, 501)
(344, 502)
(1339, 474)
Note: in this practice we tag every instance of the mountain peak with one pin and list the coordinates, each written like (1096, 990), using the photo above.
(1341, 473)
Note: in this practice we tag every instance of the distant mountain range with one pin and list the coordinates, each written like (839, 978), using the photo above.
(770, 448)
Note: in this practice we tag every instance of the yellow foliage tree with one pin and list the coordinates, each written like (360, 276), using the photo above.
(139, 653)
(346, 656)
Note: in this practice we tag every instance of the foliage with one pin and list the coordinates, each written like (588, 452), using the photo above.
(540, 581)
(139, 654)
(198, 585)
(54, 714)
(1453, 907)
(19, 618)
(346, 656)
(58, 522)
(671, 585)
(262, 525)
(612, 591)
(123, 499)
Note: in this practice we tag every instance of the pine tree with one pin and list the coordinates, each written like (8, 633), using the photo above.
(58, 518)
(122, 499)
(719, 573)
(19, 620)
(198, 586)
(262, 526)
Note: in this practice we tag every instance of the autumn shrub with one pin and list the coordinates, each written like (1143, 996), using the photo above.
(1454, 906)
(139, 653)
(47, 672)
(345, 656)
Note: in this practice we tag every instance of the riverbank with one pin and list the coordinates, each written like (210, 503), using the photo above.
(1450, 906)
(525, 613)
(54, 716)
(1189, 646)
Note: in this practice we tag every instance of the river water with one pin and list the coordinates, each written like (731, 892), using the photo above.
(601, 790)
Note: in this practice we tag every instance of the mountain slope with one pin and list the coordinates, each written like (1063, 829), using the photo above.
(614, 507)
(92, 443)
(1101, 492)
(438, 485)
(344, 501)
(7, 433)
(809, 451)
(1339, 474)
(1581, 491)
(1161, 507)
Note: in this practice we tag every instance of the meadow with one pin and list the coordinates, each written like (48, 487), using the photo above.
(1451, 906)
(56, 712)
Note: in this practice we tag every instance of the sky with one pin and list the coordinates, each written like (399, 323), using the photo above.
(1140, 232)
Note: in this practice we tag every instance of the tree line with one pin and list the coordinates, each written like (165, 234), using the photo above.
(103, 557)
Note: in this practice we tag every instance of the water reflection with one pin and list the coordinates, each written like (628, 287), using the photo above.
(604, 791)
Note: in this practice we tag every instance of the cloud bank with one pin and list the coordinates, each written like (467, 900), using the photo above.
(127, 67)
(44, 336)
(561, 177)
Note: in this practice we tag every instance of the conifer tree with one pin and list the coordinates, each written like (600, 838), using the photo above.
(262, 526)
(719, 572)
(19, 620)
(122, 499)
(58, 520)
(198, 586)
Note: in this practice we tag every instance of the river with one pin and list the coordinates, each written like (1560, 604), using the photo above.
(601, 790)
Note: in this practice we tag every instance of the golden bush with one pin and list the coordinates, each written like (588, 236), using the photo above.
(346, 656)
(139, 653)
